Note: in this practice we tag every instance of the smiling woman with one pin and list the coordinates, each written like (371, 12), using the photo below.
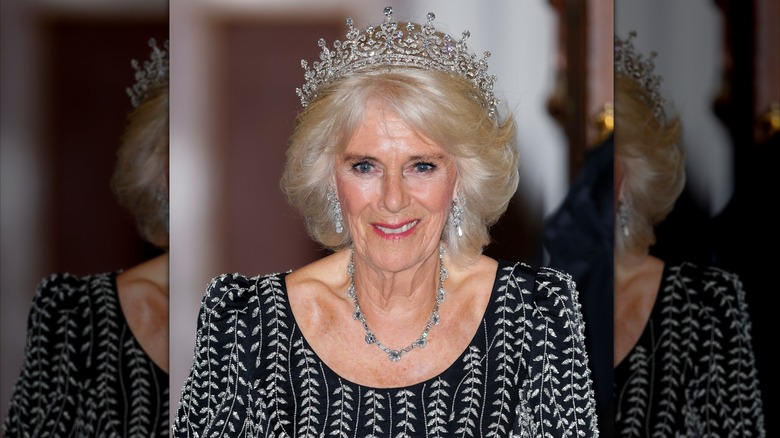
(397, 188)
(400, 161)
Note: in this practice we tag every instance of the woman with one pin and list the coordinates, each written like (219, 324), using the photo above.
(399, 163)
(96, 356)
(684, 363)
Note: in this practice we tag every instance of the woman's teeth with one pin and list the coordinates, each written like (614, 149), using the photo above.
(400, 230)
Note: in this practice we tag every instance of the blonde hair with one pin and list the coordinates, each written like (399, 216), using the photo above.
(140, 179)
(444, 108)
(649, 149)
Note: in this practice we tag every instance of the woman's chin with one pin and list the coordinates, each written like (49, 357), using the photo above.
(395, 255)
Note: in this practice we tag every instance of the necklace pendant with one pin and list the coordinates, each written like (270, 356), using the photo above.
(370, 338)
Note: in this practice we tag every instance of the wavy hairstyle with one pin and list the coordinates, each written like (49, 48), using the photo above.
(140, 179)
(650, 152)
(445, 108)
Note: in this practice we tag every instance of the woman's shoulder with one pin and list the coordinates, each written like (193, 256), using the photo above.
(545, 285)
(706, 287)
(67, 280)
(237, 305)
(239, 280)
(81, 300)
(703, 279)
(236, 290)
(695, 270)
(241, 290)
(63, 287)
(543, 277)
(547, 298)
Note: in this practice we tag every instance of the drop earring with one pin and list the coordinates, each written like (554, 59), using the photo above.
(623, 217)
(457, 215)
(335, 209)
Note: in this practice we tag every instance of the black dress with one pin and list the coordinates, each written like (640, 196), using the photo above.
(525, 372)
(585, 217)
(84, 374)
(692, 373)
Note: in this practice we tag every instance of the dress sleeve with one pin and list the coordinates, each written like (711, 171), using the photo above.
(218, 398)
(557, 397)
(45, 396)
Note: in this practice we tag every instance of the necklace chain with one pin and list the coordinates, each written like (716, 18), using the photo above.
(395, 355)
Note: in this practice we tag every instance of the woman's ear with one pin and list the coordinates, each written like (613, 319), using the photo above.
(332, 183)
(456, 190)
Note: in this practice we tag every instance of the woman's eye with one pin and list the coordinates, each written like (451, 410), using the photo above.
(362, 167)
(424, 167)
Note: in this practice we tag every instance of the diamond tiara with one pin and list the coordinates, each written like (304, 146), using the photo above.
(391, 44)
(152, 73)
(632, 64)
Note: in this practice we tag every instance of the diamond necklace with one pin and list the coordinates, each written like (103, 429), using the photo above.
(395, 355)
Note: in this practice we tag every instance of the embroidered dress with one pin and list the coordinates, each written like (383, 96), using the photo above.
(692, 373)
(525, 372)
(84, 373)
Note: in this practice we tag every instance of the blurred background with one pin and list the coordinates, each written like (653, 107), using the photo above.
(63, 100)
(720, 63)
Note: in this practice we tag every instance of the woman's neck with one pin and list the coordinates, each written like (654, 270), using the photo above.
(408, 288)
(637, 280)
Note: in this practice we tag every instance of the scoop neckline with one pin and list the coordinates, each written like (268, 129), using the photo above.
(125, 322)
(476, 340)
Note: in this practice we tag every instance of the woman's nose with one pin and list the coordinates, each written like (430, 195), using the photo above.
(395, 196)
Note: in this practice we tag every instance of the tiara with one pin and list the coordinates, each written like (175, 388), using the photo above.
(153, 72)
(632, 64)
(391, 44)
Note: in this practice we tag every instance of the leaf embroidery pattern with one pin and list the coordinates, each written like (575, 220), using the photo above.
(344, 405)
(524, 374)
(84, 373)
(436, 424)
(375, 403)
(692, 372)
(310, 391)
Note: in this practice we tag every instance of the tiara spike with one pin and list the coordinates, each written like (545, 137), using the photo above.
(388, 44)
(633, 64)
(151, 73)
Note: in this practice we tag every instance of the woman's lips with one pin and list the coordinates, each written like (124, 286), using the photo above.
(396, 230)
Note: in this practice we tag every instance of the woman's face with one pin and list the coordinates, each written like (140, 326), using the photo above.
(396, 189)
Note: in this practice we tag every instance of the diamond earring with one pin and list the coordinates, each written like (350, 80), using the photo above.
(623, 217)
(335, 208)
(457, 215)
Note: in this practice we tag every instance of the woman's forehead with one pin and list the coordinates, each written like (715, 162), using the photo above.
(382, 130)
